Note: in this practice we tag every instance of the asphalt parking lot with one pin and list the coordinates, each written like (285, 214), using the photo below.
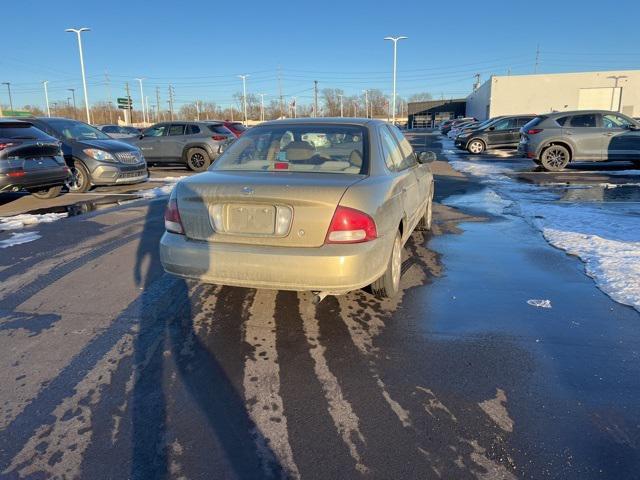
(105, 356)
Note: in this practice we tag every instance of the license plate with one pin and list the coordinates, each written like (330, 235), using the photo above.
(251, 219)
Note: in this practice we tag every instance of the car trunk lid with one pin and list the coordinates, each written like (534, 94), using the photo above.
(261, 208)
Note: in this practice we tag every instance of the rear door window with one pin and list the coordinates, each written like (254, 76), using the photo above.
(176, 129)
(192, 129)
(25, 131)
(584, 121)
(505, 124)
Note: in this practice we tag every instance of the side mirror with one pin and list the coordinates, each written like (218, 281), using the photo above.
(426, 157)
(634, 127)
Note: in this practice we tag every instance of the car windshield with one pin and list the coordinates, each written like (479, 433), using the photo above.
(74, 130)
(297, 148)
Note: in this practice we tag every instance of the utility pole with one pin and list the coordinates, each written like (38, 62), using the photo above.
(8, 84)
(157, 104)
(170, 102)
(198, 110)
(280, 91)
(476, 84)
(146, 100)
(535, 68)
(144, 117)
(129, 120)
(261, 107)
(46, 97)
(73, 92)
(108, 85)
(244, 96)
(341, 106)
(315, 98)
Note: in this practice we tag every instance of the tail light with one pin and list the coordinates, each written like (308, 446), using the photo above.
(351, 226)
(172, 222)
(16, 173)
(219, 138)
(8, 144)
(533, 131)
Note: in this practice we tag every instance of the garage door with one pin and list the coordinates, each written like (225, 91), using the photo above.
(607, 98)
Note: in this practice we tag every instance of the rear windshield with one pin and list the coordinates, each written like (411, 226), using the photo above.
(297, 148)
(238, 126)
(533, 123)
(22, 130)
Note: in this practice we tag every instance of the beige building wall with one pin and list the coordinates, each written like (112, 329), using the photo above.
(520, 94)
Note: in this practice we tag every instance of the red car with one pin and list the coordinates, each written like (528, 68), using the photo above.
(237, 128)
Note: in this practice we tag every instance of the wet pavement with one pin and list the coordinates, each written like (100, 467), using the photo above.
(113, 369)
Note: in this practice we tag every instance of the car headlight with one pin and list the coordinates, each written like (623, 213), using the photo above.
(99, 155)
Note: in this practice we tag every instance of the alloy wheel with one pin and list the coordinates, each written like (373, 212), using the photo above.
(555, 157)
(75, 180)
(476, 147)
(197, 160)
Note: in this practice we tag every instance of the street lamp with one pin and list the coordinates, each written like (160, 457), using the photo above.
(244, 96)
(73, 92)
(366, 103)
(617, 78)
(8, 84)
(395, 41)
(78, 31)
(144, 116)
(46, 97)
(261, 106)
(341, 107)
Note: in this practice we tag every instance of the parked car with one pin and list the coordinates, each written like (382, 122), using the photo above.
(503, 133)
(471, 127)
(237, 128)
(119, 131)
(455, 131)
(555, 139)
(446, 128)
(30, 160)
(195, 144)
(276, 212)
(93, 157)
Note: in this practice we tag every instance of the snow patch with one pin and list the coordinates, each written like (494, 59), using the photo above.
(539, 303)
(486, 200)
(18, 222)
(19, 238)
(156, 192)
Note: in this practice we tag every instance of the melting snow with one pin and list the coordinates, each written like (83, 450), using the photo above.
(18, 222)
(539, 303)
(19, 238)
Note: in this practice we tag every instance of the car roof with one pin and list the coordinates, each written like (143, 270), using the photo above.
(580, 112)
(327, 121)
(13, 120)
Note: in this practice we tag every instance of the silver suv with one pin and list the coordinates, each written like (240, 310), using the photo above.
(196, 144)
(555, 139)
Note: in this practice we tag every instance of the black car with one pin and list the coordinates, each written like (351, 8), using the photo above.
(30, 160)
(93, 156)
(502, 133)
(446, 127)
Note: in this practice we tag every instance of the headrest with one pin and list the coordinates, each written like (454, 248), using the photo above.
(355, 158)
(299, 151)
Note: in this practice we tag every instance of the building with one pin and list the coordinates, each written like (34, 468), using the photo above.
(521, 94)
(426, 114)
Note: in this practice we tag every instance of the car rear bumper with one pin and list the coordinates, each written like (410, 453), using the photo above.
(34, 179)
(524, 149)
(331, 268)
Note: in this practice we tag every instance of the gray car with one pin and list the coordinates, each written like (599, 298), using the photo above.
(195, 144)
(555, 139)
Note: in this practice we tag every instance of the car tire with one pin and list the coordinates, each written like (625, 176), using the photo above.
(476, 146)
(554, 158)
(424, 225)
(388, 285)
(198, 159)
(51, 192)
(79, 181)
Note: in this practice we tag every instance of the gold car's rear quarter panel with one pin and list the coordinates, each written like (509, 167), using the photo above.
(334, 268)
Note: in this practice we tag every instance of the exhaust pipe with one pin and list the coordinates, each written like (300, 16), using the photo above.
(318, 297)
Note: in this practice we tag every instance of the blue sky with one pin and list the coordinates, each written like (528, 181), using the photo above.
(201, 46)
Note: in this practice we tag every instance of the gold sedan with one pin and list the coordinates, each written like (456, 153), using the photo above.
(322, 205)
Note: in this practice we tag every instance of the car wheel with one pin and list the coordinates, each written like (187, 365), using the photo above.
(198, 159)
(52, 192)
(476, 147)
(79, 180)
(555, 158)
(388, 285)
(424, 224)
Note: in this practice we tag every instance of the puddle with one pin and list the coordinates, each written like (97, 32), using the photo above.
(86, 206)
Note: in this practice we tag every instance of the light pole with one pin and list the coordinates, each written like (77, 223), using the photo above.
(341, 106)
(366, 103)
(8, 84)
(46, 96)
(144, 115)
(395, 41)
(261, 106)
(617, 78)
(73, 92)
(244, 96)
(78, 31)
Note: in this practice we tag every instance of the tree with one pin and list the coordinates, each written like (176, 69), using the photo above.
(420, 97)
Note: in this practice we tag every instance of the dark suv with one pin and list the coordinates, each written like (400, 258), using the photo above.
(93, 156)
(503, 133)
(30, 160)
(196, 144)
